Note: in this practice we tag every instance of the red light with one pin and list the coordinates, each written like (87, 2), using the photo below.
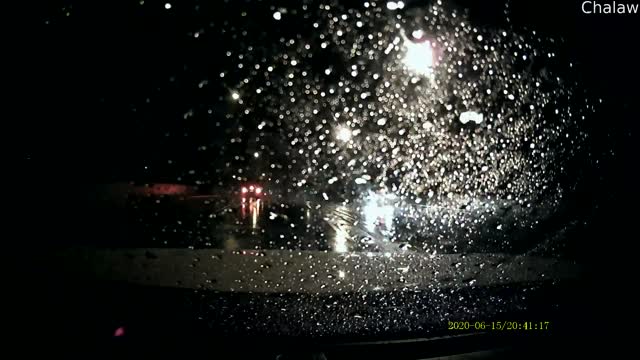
(258, 190)
(251, 187)
(119, 331)
(244, 190)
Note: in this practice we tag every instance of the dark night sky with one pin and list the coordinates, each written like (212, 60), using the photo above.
(93, 68)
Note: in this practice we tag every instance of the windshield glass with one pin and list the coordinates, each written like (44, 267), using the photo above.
(318, 149)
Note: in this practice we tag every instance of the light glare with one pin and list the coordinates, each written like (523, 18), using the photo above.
(419, 57)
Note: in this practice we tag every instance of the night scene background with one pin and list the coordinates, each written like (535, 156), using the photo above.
(440, 135)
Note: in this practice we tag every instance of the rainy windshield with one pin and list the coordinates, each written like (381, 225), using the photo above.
(313, 147)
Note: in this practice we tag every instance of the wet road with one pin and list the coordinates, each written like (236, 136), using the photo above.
(372, 224)
(225, 243)
(258, 224)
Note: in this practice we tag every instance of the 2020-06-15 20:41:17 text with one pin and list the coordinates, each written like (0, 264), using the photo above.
(499, 325)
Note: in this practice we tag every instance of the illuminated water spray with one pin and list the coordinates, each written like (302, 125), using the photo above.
(378, 211)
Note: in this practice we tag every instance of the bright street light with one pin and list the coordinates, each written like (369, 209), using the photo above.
(419, 57)
(343, 134)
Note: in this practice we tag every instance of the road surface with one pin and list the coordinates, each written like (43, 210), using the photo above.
(372, 224)
(228, 243)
